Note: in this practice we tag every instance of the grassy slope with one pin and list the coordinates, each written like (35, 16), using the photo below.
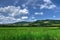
(30, 33)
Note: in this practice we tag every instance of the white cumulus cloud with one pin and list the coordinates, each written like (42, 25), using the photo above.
(47, 1)
(54, 16)
(24, 17)
(48, 5)
(13, 11)
(39, 13)
(7, 14)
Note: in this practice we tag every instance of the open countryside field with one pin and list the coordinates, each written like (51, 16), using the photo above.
(30, 33)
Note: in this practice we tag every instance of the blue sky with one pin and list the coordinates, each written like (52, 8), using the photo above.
(28, 10)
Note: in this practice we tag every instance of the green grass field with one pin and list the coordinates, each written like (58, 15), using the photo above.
(30, 33)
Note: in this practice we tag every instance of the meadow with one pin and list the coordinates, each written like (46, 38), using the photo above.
(30, 33)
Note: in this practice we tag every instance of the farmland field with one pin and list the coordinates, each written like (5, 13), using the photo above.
(30, 33)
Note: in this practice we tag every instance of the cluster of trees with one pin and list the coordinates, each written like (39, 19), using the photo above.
(38, 23)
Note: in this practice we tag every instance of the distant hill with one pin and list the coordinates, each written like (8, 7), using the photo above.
(38, 23)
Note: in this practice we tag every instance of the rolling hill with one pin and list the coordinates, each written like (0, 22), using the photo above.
(38, 23)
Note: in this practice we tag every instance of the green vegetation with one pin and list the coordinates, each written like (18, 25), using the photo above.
(30, 33)
(38, 30)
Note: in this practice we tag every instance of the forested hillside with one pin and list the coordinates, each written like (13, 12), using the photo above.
(38, 23)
